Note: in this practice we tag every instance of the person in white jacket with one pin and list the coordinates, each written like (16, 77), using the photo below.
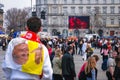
(84, 47)
(23, 61)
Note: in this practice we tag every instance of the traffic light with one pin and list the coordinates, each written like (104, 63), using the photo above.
(34, 13)
(43, 14)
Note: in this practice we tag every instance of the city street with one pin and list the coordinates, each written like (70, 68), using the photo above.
(78, 63)
(1, 59)
(61, 23)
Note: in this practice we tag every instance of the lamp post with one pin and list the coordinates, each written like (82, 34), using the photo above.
(31, 5)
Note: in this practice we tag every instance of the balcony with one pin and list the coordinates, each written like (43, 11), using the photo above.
(56, 25)
(55, 14)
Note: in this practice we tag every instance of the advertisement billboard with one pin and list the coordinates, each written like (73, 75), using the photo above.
(79, 22)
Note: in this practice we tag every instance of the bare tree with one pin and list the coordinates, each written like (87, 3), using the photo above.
(16, 19)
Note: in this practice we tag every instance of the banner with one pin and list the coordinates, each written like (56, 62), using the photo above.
(79, 22)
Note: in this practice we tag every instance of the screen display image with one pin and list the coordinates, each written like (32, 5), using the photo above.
(79, 22)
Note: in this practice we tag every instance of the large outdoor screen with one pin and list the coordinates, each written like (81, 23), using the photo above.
(79, 22)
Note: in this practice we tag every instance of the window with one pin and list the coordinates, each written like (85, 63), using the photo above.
(104, 21)
(54, 20)
(81, 10)
(54, 1)
(55, 10)
(88, 1)
(112, 1)
(97, 9)
(119, 22)
(112, 21)
(45, 1)
(96, 1)
(119, 9)
(65, 10)
(104, 10)
(88, 9)
(64, 21)
(39, 10)
(81, 1)
(104, 1)
(112, 9)
(73, 1)
(106, 32)
(65, 1)
(38, 1)
(73, 10)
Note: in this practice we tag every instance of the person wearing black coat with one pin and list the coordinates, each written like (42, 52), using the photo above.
(68, 66)
(116, 74)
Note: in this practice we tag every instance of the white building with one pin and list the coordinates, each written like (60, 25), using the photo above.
(104, 15)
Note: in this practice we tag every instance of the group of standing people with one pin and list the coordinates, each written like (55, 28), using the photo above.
(63, 64)
(113, 66)
(88, 71)
(110, 51)
(27, 58)
(85, 48)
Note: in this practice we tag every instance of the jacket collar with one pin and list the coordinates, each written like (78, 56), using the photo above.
(31, 36)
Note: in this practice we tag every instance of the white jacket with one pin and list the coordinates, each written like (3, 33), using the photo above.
(13, 71)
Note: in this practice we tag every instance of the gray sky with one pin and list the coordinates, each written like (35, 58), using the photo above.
(20, 4)
(8, 4)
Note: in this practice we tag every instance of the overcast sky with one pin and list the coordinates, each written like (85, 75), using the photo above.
(8, 4)
(20, 4)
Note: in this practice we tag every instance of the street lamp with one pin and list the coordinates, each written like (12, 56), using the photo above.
(31, 5)
(33, 11)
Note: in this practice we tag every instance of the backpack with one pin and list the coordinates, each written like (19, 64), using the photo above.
(104, 65)
(82, 76)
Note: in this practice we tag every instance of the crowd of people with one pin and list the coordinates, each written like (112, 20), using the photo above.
(30, 57)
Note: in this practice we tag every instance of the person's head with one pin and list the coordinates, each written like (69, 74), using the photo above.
(34, 24)
(117, 60)
(70, 49)
(70, 43)
(20, 52)
(58, 53)
(113, 54)
(56, 47)
(88, 46)
(96, 57)
(105, 46)
(91, 64)
(119, 49)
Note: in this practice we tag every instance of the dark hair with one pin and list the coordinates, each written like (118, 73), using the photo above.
(69, 48)
(105, 46)
(117, 60)
(34, 24)
(96, 57)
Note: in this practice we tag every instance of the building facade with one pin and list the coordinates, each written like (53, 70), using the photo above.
(104, 16)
